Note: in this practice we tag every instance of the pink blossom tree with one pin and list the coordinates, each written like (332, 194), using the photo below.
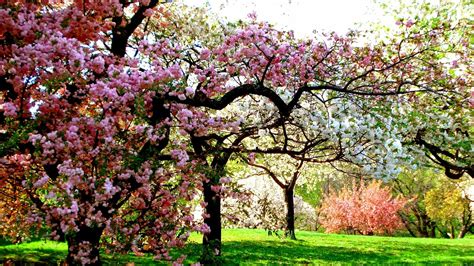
(86, 128)
(365, 209)
(111, 120)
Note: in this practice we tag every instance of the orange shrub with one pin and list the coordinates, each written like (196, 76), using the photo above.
(365, 209)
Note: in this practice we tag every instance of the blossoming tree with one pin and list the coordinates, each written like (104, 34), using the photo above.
(101, 114)
(440, 131)
(365, 209)
(450, 206)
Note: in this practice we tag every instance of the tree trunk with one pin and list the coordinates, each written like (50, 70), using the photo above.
(290, 213)
(406, 223)
(429, 226)
(443, 233)
(464, 229)
(432, 231)
(452, 235)
(212, 240)
(466, 220)
(83, 247)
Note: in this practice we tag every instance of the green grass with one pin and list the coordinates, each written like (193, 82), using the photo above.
(246, 246)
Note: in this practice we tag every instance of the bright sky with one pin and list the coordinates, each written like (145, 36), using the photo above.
(302, 16)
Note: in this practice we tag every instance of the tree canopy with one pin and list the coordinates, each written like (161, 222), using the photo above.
(114, 116)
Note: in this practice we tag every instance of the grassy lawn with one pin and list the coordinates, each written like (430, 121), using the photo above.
(245, 246)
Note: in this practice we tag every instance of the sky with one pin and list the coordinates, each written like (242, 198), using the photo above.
(302, 16)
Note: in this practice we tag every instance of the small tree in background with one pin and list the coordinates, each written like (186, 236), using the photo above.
(263, 207)
(414, 184)
(449, 206)
(365, 209)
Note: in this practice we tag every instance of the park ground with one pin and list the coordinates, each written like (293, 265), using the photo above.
(252, 246)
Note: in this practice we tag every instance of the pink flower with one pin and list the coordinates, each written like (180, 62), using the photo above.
(9, 109)
(108, 186)
(73, 128)
(189, 91)
(252, 15)
(40, 182)
(149, 12)
(74, 207)
(139, 129)
(175, 71)
(216, 188)
(204, 228)
(252, 157)
(98, 64)
(185, 113)
(51, 195)
(182, 97)
(35, 138)
(224, 180)
(205, 53)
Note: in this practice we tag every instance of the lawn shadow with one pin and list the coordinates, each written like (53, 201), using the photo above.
(322, 250)
(31, 256)
(288, 253)
(292, 252)
(285, 252)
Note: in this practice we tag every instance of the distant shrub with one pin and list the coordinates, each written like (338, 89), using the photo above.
(365, 209)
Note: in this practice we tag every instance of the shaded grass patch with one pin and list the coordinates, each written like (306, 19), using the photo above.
(249, 246)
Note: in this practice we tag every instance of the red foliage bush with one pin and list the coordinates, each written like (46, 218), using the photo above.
(365, 209)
